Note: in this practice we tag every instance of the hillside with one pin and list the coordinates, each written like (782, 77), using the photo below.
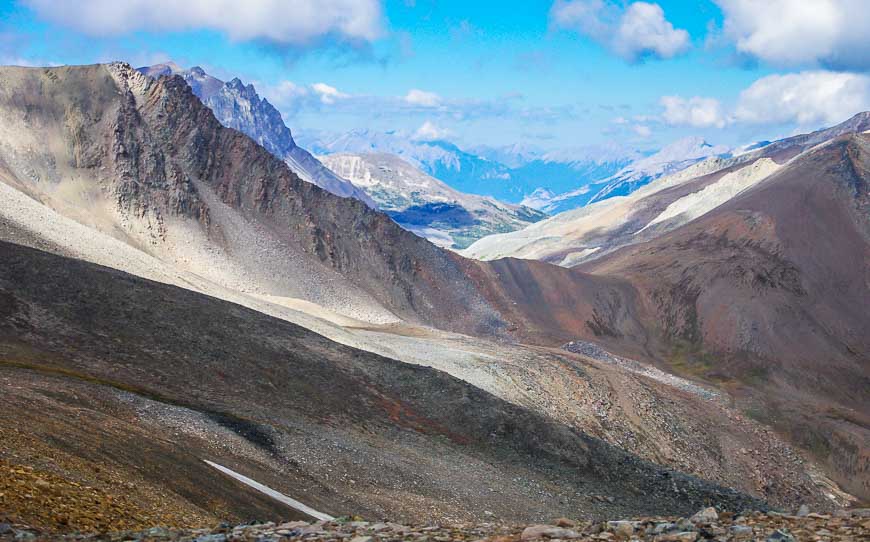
(753, 292)
(146, 367)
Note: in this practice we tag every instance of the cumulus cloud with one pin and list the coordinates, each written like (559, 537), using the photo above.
(634, 33)
(428, 131)
(290, 22)
(830, 33)
(697, 112)
(328, 95)
(806, 98)
(423, 98)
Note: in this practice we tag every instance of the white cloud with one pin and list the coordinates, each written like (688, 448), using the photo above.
(644, 31)
(634, 33)
(422, 98)
(696, 111)
(642, 130)
(831, 33)
(328, 95)
(287, 91)
(806, 98)
(292, 22)
(430, 132)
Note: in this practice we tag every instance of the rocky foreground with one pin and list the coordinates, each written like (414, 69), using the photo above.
(707, 524)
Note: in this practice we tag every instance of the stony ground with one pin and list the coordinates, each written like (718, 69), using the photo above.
(708, 524)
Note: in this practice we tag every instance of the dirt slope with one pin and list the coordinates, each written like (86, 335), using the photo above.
(769, 292)
(309, 405)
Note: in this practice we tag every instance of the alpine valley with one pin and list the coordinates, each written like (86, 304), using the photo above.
(202, 323)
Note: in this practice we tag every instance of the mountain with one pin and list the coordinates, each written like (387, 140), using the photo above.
(463, 171)
(662, 204)
(151, 166)
(770, 288)
(745, 290)
(630, 176)
(670, 159)
(512, 156)
(509, 173)
(192, 298)
(425, 205)
(238, 106)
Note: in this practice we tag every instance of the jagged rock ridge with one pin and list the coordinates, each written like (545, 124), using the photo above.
(238, 106)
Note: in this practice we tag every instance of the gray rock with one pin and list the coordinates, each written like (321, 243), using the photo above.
(5, 528)
(706, 516)
(803, 511)
(622, 528)
(780, 535)
(684, 536)
(664, 528)
(741, 531)
(548, 531)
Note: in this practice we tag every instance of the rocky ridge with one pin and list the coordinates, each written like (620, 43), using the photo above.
(238, 106)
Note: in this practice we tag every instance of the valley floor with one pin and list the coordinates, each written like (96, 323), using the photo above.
(844, 525)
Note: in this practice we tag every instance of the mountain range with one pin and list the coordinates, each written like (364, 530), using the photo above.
(425, 205)
(508, 174)
(172, 284)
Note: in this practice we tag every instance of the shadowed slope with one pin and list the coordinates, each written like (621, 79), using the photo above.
(281, 387)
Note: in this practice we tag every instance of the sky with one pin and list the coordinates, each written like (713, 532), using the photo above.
(549, 74)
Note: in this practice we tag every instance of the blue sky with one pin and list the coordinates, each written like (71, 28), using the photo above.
(550, 74)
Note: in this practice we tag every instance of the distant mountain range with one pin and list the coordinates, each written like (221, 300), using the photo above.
(423, 204)
(510, 174)
(633, 175)
(553, 181)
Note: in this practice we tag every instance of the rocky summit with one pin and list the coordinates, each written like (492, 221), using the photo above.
(707, 524)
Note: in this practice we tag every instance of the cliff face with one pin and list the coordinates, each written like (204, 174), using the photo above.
(238, 106)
